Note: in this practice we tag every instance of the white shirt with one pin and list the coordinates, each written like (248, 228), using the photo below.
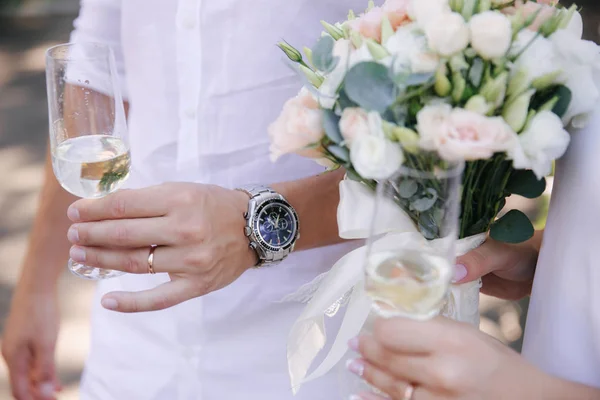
(204, 80)
(563, 326)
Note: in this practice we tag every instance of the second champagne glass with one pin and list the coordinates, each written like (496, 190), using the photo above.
(88, 131)
(409, 274)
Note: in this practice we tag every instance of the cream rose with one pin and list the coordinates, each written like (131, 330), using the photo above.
(373, 156)
(299, 127)
(354, 123)
(425, 11)
(409, 48)
(491, 34)
(447, 34)
(544, 141)
(463, 135)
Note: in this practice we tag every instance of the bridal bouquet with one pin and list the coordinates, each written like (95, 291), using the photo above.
(419, 83)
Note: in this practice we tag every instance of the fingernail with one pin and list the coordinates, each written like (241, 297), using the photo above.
(357, 367)
(77, 254)
(460, 273)
(47, 389)
(73, 214)
(353, 344)
(109, 304)
(73, 235)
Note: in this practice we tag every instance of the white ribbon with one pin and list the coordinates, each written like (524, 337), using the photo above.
(346, 279)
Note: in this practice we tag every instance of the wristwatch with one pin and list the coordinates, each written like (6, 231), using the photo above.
(271, 225)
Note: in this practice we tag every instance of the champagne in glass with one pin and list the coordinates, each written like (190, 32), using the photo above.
(409, 274)
(88, 131)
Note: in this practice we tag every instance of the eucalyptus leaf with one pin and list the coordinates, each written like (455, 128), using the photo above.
(476, 72)
(369, 85)
(525, 183)
(427, 226)
(425, 203)
(342, 154)
(331, 124)
(514, 227)
(564, 100)
(322, 55)
(419, 79)
(408, 188)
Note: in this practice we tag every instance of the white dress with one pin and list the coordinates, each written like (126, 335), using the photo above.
(204, 80)
(562, 336)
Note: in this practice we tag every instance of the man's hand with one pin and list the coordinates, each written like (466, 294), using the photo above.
(28, 344)
(199, 231)
(507, 269)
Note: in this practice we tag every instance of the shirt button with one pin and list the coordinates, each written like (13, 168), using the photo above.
(190, 113)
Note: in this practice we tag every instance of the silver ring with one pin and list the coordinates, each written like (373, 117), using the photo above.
(151, 260)
(409, 392)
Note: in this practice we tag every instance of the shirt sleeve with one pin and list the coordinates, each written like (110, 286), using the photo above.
(99, 21)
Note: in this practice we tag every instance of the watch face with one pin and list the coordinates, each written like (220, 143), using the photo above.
(276, 225)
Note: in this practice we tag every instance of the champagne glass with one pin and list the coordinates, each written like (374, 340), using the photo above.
(88, 130)
(408, 274)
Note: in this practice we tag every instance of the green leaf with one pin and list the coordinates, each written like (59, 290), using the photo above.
(369, 85)
(525, 183)
(476, 72)
(342, 154)
(331, 124)
(564, 100)
(344, 101)
(408, 188)
(322, 55)
(514, 227)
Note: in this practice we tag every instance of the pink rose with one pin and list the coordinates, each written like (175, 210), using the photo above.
(354, 123)
(545, 8)
(299, 127)
(463, 135)
(369, 23)
(397, 12)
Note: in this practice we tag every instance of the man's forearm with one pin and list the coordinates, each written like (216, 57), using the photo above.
(48, 246)
(316, 200)
(561, 389)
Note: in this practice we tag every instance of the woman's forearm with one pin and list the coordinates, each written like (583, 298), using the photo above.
(316, 200)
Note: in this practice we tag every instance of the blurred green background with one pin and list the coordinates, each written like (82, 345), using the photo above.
(27, 28)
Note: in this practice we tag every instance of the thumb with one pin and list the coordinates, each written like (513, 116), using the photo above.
(479, 262)
(44, 371)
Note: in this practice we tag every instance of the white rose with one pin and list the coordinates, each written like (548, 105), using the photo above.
(579, 61)
(463, 135)
(409, 49)
(491, 34)
(431, 121)
(447, 34)
(544, 141)
(373, 156)
(354, 123)
(538, 57)
(424, 11)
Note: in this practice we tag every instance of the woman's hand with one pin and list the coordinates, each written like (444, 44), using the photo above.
(443, 359)
(199, 231)
(507, 269)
